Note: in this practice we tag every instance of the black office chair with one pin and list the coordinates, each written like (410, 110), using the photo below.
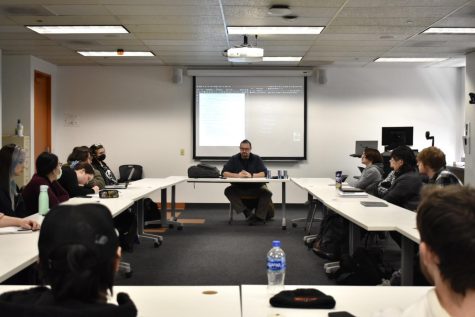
(124, 171)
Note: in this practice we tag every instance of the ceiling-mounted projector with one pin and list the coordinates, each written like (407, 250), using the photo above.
(244, 53)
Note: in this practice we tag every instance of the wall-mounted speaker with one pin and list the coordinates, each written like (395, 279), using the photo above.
(320, 76)
(177, 75)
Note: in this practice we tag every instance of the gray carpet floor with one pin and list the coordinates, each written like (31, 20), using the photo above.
(216, 253)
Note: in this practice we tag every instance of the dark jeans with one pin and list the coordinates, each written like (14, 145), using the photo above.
(263, 195)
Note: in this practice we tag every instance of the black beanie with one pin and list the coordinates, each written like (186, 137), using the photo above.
(303, 298)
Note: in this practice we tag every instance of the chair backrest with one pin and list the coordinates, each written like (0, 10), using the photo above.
(124, 171)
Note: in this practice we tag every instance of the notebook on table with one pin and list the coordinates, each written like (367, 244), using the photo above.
(122, 185)
(348, 189)
(373, 204)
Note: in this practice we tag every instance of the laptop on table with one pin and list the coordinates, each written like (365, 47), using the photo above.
(122, 185)
(361, 145)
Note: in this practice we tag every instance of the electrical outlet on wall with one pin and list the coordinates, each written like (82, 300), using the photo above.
(182, 152)
(71, 120)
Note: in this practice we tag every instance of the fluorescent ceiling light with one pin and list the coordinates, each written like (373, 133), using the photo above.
(275, 29)
(450, 31)
(410, 59)
(282, 59)
(114, 53)
(78, 29)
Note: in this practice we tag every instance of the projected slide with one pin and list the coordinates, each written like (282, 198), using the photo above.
(268, 111)
(221, 119)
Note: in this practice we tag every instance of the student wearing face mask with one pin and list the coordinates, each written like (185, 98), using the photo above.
(48, 171)
(75, 177)
(98, 153)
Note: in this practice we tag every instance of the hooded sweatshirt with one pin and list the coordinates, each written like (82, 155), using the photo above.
(40, 302)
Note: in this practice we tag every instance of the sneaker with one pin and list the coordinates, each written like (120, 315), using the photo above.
(253, 220)
(395, 279)
(247, 213)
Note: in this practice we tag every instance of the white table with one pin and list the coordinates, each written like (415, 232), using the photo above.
(231, 180)
(18, 251)
(390, 218)
(176, 301)
(361, 301)
(142, 188)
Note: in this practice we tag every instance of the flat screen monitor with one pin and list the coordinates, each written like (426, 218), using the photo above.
(395, 136)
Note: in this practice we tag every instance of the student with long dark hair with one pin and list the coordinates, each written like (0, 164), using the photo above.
(79, 254)
(12, 163)
(48, 171)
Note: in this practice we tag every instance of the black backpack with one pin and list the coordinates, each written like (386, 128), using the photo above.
(365, 267)
(203, 171)
(332, 239)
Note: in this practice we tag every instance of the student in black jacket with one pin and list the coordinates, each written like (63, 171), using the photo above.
(75, 176)
(79, 254)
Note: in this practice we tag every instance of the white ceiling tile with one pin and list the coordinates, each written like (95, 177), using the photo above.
(73, 10)
(397, 12)
(171, 20)
(373, 30)
(275, 21)
(405, 3)
(261, 12)
(187, 10)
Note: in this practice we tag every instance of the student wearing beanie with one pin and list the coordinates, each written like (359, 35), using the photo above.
(48, 171)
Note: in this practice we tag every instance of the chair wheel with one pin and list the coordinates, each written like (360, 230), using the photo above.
(128, 274)
(157, 244)
(170, 226)
(294, 225)
(179, 228)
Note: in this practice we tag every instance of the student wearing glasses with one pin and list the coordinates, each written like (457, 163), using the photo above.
(48, 171)
(248, 165)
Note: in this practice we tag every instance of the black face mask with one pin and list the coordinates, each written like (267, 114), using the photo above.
(101, 157)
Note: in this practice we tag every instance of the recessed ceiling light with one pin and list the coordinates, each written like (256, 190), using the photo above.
(450, 31)
(410, 59)
(77, 29)
(275, 29)
(282, 59)
(114, 53)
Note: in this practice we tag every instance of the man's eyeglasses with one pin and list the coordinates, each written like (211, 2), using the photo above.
(244, 149)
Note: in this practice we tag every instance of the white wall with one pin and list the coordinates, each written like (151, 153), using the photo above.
(470, 117)
(18, 94)
(142, 117)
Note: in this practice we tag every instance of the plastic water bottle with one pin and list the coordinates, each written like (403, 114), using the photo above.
(275, 268)
(43, 200)
(19, 128)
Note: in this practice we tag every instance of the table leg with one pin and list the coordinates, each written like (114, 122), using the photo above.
(173, 221)
(407, 261)
(354, 236)
(139, 210)
(284, 224)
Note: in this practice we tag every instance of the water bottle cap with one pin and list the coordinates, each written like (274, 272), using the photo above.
(276, 243)
(43, 188)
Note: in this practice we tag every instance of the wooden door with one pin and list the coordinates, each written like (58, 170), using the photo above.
(42, 134)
